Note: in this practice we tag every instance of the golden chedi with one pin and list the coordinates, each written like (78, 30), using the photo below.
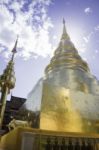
(67, 97)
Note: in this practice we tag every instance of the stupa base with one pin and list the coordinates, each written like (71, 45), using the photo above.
(35, 139)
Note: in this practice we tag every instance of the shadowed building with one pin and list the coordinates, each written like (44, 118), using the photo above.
(12, 110)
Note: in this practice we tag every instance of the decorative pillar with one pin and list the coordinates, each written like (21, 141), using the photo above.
(7, 82)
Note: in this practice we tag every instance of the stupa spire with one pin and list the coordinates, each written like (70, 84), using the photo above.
(64, 28)
(66, 55)
(14, 48)
(64, 34)
(7, 82)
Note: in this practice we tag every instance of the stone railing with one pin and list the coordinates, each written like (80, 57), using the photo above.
(70, 143)
(53, 141)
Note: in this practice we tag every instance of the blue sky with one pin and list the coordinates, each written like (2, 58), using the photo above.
(39, 25)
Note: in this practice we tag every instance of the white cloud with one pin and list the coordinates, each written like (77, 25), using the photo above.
(88, 10)
(55, 37)
(96, 51)
(93, 57)
(97, 28)
(32, 25)
(88, 37)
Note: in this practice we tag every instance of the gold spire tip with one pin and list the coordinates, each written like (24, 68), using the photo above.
(15, 46)
(63, 21)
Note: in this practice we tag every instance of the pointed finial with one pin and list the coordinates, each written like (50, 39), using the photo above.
(64, 28)
(15, 46)
(64, 34)
(63, 21)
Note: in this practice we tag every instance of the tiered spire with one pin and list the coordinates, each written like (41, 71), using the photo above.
(66, 55)
(64, 34)
(7, 82)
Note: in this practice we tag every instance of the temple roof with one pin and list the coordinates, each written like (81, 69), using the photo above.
(15, 103)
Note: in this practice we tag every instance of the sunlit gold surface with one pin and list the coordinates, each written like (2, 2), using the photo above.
(59, 114)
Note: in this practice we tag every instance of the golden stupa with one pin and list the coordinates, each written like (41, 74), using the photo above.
(62, 110)
(68, 95)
